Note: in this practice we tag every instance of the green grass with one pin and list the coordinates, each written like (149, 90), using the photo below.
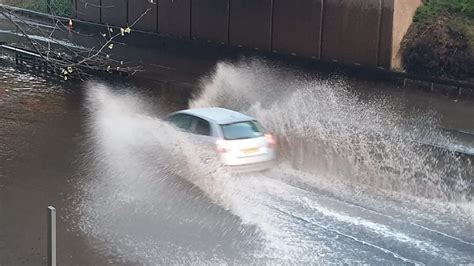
(465, 25)
(460, 14)
(434, 8)
(441, 42)
(58, 7)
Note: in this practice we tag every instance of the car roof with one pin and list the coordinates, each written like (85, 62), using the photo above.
(218, 115)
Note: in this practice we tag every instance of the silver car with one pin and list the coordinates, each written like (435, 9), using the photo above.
(241, 142)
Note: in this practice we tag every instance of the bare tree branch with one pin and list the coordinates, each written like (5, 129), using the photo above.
(70, 61)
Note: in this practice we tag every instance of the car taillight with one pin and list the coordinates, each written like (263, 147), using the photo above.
(270, 140)
(222, 146)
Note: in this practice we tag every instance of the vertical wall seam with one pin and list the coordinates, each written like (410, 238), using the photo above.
(321, 28)
(228, 20)
(190, 19)
(272, 8)
(157, 17)
(392, 25)
(128, 15)
(379, 34)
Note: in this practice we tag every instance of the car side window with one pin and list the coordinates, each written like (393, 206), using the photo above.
(201, 127)
(181, 121)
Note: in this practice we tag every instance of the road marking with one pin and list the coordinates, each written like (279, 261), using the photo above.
(390, 216)
(387, 251)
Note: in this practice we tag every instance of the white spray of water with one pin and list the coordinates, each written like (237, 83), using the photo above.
(133, 156)
(132, 162)
(136, 199)
(323, 127)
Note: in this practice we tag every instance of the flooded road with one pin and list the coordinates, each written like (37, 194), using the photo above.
(356, 181)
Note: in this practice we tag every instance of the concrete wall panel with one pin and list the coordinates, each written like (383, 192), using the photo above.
(296, 27)
(174, 17)
(351, 31)
(114, 12)
(385, 52)
(210, 20)
(88, 10)
(137, 8)
(250, 23)
(367, 32)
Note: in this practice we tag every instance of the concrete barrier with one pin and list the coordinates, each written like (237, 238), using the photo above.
(297, 26)
(448, 87)
(351, 31)
(250, 24)
(174, 18)
(210, 20)
(361, 32)
(114, 12)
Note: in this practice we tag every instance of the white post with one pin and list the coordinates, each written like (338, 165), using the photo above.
(51, 236)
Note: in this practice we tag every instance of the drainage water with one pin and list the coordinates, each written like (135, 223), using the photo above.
(154, 196)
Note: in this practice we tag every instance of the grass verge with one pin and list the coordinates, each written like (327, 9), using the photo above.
(440, 41)
(58, 7)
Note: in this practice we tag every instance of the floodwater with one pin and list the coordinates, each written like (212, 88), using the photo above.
(359, 180)
(367, 172)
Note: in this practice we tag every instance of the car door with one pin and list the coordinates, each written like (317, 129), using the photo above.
(203, 131)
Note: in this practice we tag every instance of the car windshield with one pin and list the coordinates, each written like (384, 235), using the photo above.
(242, 130)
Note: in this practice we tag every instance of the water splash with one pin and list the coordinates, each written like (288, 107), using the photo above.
(324, 127)
(155, 196)
(141, 181)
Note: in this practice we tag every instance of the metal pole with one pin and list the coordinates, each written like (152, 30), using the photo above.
(51, 236)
